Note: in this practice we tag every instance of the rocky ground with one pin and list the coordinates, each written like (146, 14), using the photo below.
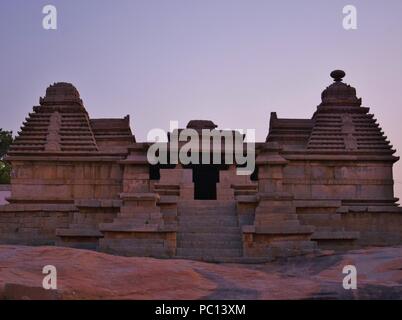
(91, 275)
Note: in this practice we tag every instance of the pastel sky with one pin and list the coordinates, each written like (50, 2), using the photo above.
(230, 61)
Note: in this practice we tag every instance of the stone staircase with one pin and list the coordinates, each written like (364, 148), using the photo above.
(326, 217)
(208, 230)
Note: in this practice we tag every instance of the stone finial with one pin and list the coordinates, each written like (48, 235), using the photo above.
(61, 93)
(338, 75)
(201, 124)
(339, 93)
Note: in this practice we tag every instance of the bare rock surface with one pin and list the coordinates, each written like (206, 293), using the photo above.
(91, 275)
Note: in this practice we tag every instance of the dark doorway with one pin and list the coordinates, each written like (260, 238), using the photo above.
(205, 178)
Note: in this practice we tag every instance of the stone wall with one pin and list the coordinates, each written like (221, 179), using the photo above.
(49, 181)
(47, 196)
(33, 224)
(340, 180)
(375, 228)
(5, 192)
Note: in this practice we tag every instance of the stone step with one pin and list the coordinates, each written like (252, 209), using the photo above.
(212, 252)
(81, 232)
(33, 137)
(278, 216)
(209, 229)
(288, 230)
(73, 120)
(335, 235)
(65, 148)
(87, 142)
(207, 213)
(75, 128)
(30, 124)
(138, 242)
(34, 129)
(26, 133)
(137, 221)
(29, 142)
(208, 222)
(27, 147)
(329, 228)
(294, 244)
(130, 228)
(206, 207)
(74, 124)
(189, 236)
(201, 211)
(234, 244)
(140, 215)
(75, 133)
(37, 114)
(207, 203)
(68, 138)
(326, 141)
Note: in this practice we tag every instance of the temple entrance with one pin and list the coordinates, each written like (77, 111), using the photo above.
(205, 178)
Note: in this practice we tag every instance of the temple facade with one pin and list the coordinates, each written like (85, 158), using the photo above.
(319, 183)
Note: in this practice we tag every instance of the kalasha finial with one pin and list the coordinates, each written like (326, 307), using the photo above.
(338, 75)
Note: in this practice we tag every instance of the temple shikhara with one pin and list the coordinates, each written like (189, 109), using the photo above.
(319, 183)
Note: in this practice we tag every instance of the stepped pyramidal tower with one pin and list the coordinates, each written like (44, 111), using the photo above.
(319, 183)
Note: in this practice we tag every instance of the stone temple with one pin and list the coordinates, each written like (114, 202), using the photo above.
(319, 183)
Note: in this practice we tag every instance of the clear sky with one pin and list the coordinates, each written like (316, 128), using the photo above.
(230, 61)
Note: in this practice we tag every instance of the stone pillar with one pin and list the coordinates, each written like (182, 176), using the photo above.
(276, 231)
(138, 229)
